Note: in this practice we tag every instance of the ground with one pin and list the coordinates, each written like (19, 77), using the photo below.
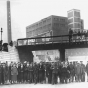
(70, 85)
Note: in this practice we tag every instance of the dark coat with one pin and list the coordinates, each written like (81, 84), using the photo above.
(82, 69)
(14, 71)
(87, 68)
(64, 72)
(19, 69)
(72, 69)
(0, 69)
(77, 69)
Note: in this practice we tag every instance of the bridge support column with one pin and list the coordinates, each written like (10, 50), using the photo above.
(62, 54)
(25, 55)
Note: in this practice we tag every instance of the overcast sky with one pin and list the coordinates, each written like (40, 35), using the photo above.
(26, 12)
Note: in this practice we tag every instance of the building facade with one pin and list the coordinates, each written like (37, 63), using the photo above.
(39, 28)
(50, 26)
(56, 26)
(74, 20)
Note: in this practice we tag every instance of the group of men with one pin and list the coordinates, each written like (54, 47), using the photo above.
(73, 35)
(43, 72)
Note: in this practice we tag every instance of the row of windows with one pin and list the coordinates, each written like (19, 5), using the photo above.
(75, 25)
(77, 14)
(44, 21)
(74, 20)
(44, 27)
(37, 31)
(60, 19)
(70, 14)
(59, 25)
(74, 13)
(40, 23)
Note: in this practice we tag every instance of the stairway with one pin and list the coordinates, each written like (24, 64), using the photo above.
(11, 55)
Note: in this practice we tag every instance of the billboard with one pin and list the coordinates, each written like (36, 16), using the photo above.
(46, 56)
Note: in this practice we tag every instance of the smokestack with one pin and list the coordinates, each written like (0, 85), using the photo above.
(9, 34)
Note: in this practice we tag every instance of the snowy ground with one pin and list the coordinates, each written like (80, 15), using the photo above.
(70, 85)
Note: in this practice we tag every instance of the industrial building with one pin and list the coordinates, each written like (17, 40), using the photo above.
(50, 26)
(56, 25)
(74, 20)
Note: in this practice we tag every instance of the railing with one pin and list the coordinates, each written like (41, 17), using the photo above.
(51, 39)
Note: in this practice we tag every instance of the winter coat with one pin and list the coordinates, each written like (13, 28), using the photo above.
(14, 71)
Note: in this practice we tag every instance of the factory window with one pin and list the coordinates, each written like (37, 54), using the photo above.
(56, 19)
(70, 25)
(63, 20)
(70, 20)
(77, 25)
(36, 25)
(44, 21)
(34, 32)
(40, 23)
(76, 14)
(41, 28)
(29, 34)
(29, 28)
(49, 19)
(45, 26)
(49, 26)
(56, 24)
(32, 26)
(77, 20)
(62, 25)
(70, 14)
(36, 29)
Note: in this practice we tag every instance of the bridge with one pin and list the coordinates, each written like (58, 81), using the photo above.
(26, 45)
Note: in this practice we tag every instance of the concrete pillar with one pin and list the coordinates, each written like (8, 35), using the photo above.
(25, 54)
(62, 54)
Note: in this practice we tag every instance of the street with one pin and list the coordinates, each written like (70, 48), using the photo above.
(69, 85)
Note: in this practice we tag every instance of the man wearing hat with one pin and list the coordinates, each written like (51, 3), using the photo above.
(71, 72)
(19, 72)
(25, 71)
(82, 71)
(87, 70)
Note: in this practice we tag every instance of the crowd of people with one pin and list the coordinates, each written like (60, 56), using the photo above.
(80, 35)
(43, 72)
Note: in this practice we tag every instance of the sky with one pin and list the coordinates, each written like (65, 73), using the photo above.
(27, 12)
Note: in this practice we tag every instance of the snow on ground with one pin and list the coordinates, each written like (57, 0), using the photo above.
(70, 85)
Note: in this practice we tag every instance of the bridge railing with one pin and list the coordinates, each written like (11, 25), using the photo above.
(51, 39)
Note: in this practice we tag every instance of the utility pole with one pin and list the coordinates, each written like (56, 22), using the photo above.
(1, 40)
(1, 35)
